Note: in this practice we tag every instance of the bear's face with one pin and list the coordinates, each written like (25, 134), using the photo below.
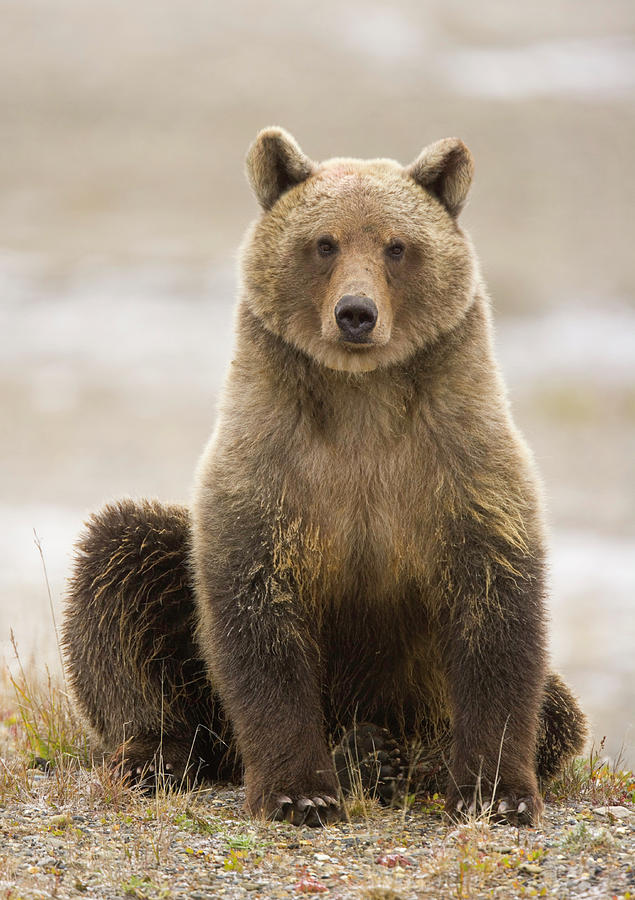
(358, 264)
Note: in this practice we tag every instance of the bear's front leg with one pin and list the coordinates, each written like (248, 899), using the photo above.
(495, 667)
(265, 665)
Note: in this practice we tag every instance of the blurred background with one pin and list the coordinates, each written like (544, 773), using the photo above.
(123, 200)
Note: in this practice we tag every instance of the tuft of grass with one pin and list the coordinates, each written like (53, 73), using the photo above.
(381, 893)
(53, 733)
(432, 803)
(142, 887)
(245, 842)
(189, 820)
(583, 837)
(596, 779)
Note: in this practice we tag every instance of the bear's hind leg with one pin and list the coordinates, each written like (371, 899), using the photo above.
(562, 728)
(129, 647)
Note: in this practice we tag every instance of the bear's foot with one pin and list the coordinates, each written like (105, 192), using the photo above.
(315, 811)
(506, 807)
(170, 767)
(368, 757)
(147, 777)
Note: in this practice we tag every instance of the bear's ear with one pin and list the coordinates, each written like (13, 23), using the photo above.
(274, 164)
(445, 169)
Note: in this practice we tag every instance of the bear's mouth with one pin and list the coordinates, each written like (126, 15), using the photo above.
(360, 343)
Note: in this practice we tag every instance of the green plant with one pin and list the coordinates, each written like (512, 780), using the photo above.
(596, 779)
(235, 862)
(584, 837)
(143, 887)
(52, 730)
(191, 821)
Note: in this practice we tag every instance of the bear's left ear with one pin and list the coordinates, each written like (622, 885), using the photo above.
(275, 163)
(445, 169)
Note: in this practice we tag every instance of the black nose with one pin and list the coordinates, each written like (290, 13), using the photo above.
(356, 317)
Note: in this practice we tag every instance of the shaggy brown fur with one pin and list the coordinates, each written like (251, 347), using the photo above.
(146, 694)
(367, 538)
(128, 642)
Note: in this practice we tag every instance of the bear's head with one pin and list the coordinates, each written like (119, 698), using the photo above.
(358, 263)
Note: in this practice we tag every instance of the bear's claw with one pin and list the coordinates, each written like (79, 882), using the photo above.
(138, 767)
(512, 810)
(311, 811)
(146, 777)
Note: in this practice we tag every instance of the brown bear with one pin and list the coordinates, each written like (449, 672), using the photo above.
(366, 546)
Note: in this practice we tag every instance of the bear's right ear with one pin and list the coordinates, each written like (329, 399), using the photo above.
(445, 169)
(275, 163)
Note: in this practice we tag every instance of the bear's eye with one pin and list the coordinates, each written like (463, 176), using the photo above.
(395, 249)
(326, 246)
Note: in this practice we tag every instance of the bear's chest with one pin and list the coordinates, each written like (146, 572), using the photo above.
(367, 508)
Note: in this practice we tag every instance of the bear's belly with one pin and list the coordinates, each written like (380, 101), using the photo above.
(382, 665)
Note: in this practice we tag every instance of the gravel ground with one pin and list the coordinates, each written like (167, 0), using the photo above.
(72, 829)
(78, 833)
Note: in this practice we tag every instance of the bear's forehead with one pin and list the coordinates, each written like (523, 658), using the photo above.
(346, 176)
(365, 188)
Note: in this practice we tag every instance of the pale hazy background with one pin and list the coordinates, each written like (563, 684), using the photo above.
(123, 128)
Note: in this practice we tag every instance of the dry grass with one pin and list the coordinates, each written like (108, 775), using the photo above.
(595, 779)
(70, 827)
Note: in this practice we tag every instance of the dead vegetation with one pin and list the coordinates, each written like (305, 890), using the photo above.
(71, 828)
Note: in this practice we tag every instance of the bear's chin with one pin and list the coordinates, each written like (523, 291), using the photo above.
(352, 366)
(339, 359)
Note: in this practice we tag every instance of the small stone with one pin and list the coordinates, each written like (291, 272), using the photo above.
(350, 842)
(615, 812)
(530, 868)
(394, 860)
